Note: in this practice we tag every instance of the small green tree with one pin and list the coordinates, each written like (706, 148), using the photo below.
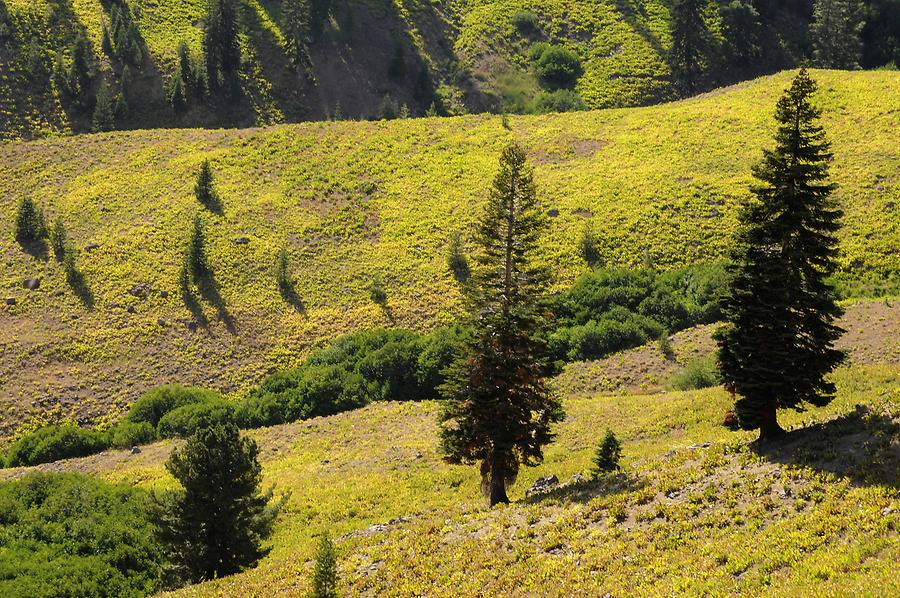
(205, 188)
(457, 261)
(691, 43)
(59, 238)
(497, 409)
(221, 52)
(836, 32)
(217, 523)
(30, 224)
(196, 266)
(778, 344)
(105, 109)
(325, 574)
(377, 292)
(606, 460)
(296, 28)
(186, 69)
(176, 94)
(587, 246)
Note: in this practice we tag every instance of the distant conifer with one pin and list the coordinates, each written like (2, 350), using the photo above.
(325, 574)
(836, 31)
(691, 43)
(205, 188)
(30, 223)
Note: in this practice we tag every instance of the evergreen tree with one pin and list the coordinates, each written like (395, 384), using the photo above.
(106, 42)
(296, 16)
(608, 454)
(777, 346)
(59, 238)
(836, 32)
(690, 45)
(221, 51)
(205, 188)
(186, 69)
(196, 266)
(319, 11)
(325, 574)
(217, 523)
(105, 109)
(80, 70)
(30, 223)
(497, 409)
(176, 94)
(587, 246)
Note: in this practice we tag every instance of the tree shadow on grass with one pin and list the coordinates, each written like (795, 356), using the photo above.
(36, 249)
(79, 285)
(291, 296)
(583, 490)
(209, 292)
(862, 446)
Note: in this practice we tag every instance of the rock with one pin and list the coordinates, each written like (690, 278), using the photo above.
(418, 455)
(162, 322)
(192, 325)
(553, 212)
(714, 213)
(135, 450)
(543, 485)
(129, 308)
(11, 301)
(141, 290)
(730, 420)
(164, 294)
(889, 205)
(92, 247)
(31, 284)
(241, 241)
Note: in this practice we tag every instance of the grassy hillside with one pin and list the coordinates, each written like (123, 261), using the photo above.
(474, 52)
(695, 509)
(355, 201)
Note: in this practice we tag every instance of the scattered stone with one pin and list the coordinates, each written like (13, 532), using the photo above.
(889, 205)
(135, 450)
(699, 446)
(164, 294)
(241, 241)
(31, 284)
(11, 301)
(418, 455)
(141, 290)
(92, 247)
(129, 308)
(714, 213)
(162, 322)
(553, 212)
(543, 485)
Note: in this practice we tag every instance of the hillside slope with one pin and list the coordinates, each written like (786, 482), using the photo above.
(352, 201)
(469, 55)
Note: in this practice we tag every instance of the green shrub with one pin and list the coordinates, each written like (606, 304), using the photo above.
(561, 100)
(188, 419)
(377, 292)
(59, 239)
(73, 535)
(325, 573)
(456, 258)
(556, 67)
(606, 460)
(526, 21)
(702, 372)
(128, 434)
(156, 403)
(52, 443)
(30, 224)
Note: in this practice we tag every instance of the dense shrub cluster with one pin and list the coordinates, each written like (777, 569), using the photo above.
(698, 373)
(175, 410)
(73, 535)
(52, 443)
(556, 67)
(611, 310)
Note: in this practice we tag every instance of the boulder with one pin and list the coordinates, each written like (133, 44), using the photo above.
(241, 241)
(135, 450)
(553, 212)
(11, 301)
(129, 308)
(92, 247)
(140, 290)
(164, 294)
(542, 485)
(32, 284)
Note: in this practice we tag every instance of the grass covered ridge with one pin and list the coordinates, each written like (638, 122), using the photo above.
(352, 202)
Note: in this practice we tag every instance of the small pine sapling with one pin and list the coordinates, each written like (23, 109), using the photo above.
(608, 454)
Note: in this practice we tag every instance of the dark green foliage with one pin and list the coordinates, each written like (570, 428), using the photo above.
(52, 443)
(388, 109)
(587, 246)
(59, 239)
(691, 45)
(664, 344)
(457, 261)
(556, 67)
(70, 535)
(36, 62)
(561, 100)
(186, 420)
(377, 293)
(881, 34)
(221, 52)
(835, 33)
(611, 310)
(698, 373)
(526, 21)
(106, 42)
(781, 312)
(283, 272)
(205, 189)
(324, 584)
(80, 73)
(128, 434)
(156, 403)
(31, 226)
(742, 33)
(196, 267)
(295, 16)
(105, 109)
(319, 12)
(606, 460)
(497, 409)
(217, 524)
(388, 365)
(176, 93)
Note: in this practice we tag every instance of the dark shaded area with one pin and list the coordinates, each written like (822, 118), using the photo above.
(863, 446)
(37, 249)
(79, 285)
(209, 290)
(584, 490)
(289, 293)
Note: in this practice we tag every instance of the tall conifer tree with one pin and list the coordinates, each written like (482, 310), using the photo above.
(498, 410)
(690, 45)
(836, 32)
(778, 344)
(220, 43)
(296, 17)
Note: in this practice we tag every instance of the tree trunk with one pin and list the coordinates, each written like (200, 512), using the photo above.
(769, 429)
(498, 484)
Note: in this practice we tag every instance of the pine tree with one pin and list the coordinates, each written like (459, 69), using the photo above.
(176, 94)
(319, 11)
(217, 523)
(325, 574)
(296, 16)
(106, 42)
(196, 266)
(220, 43)
(497, 409)
(690, 45)
(80, 70)
(608, 454)
(205, 188)
(587, 246)
(777, 346)
(836, 32)
(59, 238)
(105, 109)
(185, 70)
(30, 224)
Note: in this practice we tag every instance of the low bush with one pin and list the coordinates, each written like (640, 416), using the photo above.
(561, 100)
(73, 535)
(187, 419)
(556, 67)
(156, 403)
(128, 434)
(698, 373)
(526, 21)
(52, 443)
